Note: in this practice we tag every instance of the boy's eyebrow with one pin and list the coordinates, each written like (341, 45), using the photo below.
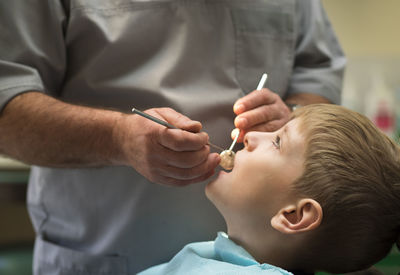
(287, 136)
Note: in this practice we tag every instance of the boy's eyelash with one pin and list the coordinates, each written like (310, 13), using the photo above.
(277, 142)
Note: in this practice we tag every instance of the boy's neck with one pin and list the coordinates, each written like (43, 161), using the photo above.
(268, 246)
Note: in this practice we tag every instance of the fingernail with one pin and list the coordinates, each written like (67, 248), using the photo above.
(240, 122)
(238, 108)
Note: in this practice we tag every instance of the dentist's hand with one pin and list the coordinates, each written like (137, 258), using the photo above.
(261, 110)
(167, 156)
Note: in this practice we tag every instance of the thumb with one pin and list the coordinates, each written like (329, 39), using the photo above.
(180, 121)
(192, 126)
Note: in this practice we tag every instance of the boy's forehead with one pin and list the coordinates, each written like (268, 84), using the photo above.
(293, 135)
(290, 126)
(299, 124)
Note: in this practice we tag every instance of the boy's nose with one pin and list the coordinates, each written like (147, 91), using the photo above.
(250, 141)
(253, 139)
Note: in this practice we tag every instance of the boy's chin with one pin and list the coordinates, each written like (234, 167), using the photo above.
(216, 188)
(212, 186)
(215, 182)
(208, 189)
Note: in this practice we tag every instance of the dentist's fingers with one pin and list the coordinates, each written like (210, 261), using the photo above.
(254, 99)
(179, 120)
(193, 172)
(260, 110)
(166, 156)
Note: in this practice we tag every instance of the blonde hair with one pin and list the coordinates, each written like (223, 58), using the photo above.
(353, 170)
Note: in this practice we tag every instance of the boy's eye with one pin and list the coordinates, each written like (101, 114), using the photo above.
(277, 142)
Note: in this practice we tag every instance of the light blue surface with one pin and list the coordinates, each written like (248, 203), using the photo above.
(221, 256)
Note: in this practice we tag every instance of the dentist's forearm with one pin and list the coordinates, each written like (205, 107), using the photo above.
(40, 130)
(306, 99)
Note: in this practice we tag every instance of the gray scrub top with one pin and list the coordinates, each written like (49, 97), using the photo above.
(196, 56)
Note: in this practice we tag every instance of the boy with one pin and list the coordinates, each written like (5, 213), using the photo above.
(320, 194)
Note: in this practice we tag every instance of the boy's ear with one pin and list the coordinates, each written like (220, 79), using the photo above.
(303, 216)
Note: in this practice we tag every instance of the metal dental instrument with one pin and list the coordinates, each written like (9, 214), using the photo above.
(166, 124)
(228, 156)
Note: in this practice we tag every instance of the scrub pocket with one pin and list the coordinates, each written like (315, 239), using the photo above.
(264, 42)
(54, 259)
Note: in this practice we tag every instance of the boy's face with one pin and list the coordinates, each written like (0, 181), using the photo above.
(259, 183)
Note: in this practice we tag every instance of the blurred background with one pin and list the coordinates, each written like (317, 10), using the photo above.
(369, 33)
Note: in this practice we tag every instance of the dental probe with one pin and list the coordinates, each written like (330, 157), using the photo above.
(166, 124)
(228, 156)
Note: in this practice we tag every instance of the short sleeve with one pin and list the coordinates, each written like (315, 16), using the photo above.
(32, 48)
(319, 59)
